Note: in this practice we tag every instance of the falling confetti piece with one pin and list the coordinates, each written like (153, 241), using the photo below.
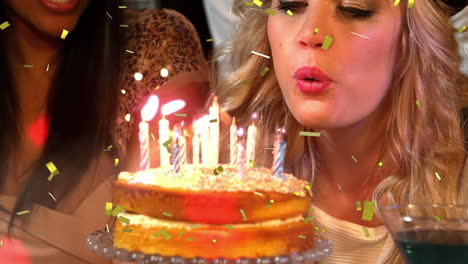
(213, 241)
(182, 232)
(195, 225)
(167, 214)
(218, 170)
(64, 34)
(229, 226)
(52, 197)
(380, 164)
(309, 134)
(108, 14)
(264, 71)
(152, 137)
(437, 218)
(270, 11)
(4, 25)
(129, 51)
(210, 40)
(243, 214)
(366, 232)
(290, 13)
(396, 2)
(260, 54)
(22, 212)
(258, 2)
(107, 226)
(315, 31)
(110, 147)
(339, 187)
(183, 115)
(438, 176)
(53, 170)
(359, 35)
(213, 120)
(189, 239)
(117, 210)
(410, 3)
(301, 236)
(116, 162)
(316, 229)
(124, 220)
(358, 206)
(246, 82)
(462, 29)
(368, 213)
(127, 230)
(47, 69)
(418, 104)
(122, 6)
(248, 3)
(271, 201)
(327, 42)
(123, 25)
(166, 144)
(297, 193)
(259, 194)
(355, 160)
(165, 234)
(108, 208)
(28, 66)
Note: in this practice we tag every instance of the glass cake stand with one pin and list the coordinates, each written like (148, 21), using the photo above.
(101, 243)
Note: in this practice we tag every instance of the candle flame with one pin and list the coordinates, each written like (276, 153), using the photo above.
(150, 109)
(172, 107)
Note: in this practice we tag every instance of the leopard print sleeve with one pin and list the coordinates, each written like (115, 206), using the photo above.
(155, 40)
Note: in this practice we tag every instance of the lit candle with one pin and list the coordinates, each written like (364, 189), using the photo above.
(164, 131)
(214, 132)
(147, 113)
(233, 142)
(176, 151)
(196, 144)
(252, 139)
(205, 139)
(279, 153)
(241, 162)
(163, 138)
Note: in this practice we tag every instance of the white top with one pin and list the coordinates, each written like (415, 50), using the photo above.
(350, 244)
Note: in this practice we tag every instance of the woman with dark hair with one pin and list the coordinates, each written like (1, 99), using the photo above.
(71, 101)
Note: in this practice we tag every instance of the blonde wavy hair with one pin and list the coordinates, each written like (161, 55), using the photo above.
(421, 141)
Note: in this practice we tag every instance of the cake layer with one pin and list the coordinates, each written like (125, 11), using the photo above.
(269, 238)
(197, 195)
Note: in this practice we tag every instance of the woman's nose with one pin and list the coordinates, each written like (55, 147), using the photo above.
(313, 28)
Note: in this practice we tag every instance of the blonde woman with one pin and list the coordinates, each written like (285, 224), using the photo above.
(385, 95)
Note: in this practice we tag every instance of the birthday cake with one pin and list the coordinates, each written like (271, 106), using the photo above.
(200, 213)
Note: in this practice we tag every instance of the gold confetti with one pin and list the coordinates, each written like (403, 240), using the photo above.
(410, 3)
(290, 13)
(189, 239)
(116, 162)
(23, 212)
(380, 164)
(462, 29)
(243, 214)
(438, 176)
(124, 220)
(110, 147)
(315, 31)
(123, 25)
(213, 120)
(355, 160)
(64, 34)
(229, 226)
(264, 71)
(218, 170)
(122, 6)
(214, 241)
(308, 186)
(167, 214)
(297, 193)
(258, 2)
(270, 11)
(183, 115)
(210, 40)
(195, 225)
(358, 206)
(4, 25)
(117, 210)
(437, 218)
(366, 232)
(301, 236)
(418, 104)
(28, 66)
(309, 134)
(53, 170)
(327, 42)
(396, 2)
(368, 213)
(108, 208)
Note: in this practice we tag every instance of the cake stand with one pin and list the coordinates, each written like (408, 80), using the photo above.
(101, 243)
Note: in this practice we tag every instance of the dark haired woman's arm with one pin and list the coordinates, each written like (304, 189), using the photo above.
(164, 39)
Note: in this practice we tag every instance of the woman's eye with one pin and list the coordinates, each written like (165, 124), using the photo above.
(356, 12)
(294, 7)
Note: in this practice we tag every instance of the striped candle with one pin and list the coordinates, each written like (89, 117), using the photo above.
(144, 146)
(242, 158)
(279, 154)
(233, 142)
